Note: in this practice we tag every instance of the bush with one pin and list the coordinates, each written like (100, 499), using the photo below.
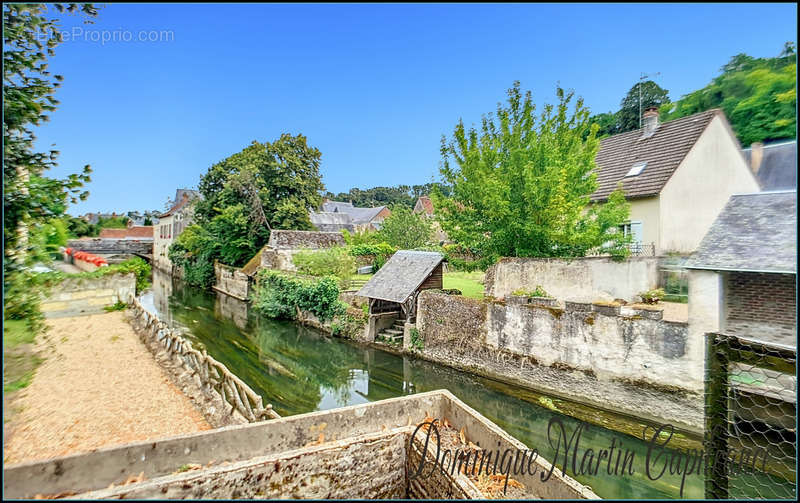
(378, 252)
(336, 261)
(536, 292)
(280, 295)
(652, 296)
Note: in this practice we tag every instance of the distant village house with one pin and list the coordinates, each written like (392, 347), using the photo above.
(171, 225)
(336, 216)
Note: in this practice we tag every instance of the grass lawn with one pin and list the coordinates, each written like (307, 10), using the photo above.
(470, 283)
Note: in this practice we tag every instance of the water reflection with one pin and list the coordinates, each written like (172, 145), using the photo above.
(300, 370)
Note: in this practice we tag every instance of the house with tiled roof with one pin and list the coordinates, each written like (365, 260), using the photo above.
(170, 225)
(774, 164)
(677, 176)
(337, 215)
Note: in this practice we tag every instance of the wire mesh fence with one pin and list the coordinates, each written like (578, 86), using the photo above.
(751, 417)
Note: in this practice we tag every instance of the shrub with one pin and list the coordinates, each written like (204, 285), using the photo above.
(536, 292)
(336, 261)
(379, 252)
(416, 340)
(652, 296)
(280, 295)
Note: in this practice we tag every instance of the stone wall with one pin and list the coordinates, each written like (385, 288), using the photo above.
(103, 246)
(294, 240)
(609, 341)
(231, 281)
(584, 279)
(81, 296)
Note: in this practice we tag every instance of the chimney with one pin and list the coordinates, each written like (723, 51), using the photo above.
(649, 121)
(756, 156)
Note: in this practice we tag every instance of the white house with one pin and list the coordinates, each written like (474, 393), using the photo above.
(677, 175)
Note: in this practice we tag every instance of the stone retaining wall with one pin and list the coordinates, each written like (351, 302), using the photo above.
(110, 246)
(231, 281)
(611, 341)
(82, 296)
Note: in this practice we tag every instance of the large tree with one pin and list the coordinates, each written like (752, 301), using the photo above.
(266, 186)
(521, 184)
(405, 229)
(634, 103)
(30, 198)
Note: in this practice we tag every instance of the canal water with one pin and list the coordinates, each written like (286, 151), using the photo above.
(300, 370)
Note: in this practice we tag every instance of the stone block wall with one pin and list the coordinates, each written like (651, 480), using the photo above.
(106, 246)
(231, 281)
(632, 346)
(585, 279)
(82, 296)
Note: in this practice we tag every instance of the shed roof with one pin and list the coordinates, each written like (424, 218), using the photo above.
(755, 233)
(401, 275)
(663, 152)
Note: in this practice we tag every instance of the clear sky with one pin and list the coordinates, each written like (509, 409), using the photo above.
(372, 86)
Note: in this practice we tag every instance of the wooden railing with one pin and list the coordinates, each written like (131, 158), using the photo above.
(213, 374)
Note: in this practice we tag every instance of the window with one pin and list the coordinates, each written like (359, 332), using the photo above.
(633, 229)
(636, 169)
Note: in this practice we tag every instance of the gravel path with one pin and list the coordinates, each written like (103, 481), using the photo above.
(98, 386)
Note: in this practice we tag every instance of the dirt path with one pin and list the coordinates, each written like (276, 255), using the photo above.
(98, 386)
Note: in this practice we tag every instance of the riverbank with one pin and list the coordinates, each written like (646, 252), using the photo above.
(98, 386)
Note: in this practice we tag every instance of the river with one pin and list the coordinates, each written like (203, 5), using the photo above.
(299, 370)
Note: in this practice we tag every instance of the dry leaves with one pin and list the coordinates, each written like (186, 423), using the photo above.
(319, 441)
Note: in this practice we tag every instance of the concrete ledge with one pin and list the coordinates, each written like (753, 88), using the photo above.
(362, 445)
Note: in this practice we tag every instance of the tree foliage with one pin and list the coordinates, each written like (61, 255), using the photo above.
(627, 117)
(30, 198)
(405, 229)
(521, 184)
(265, 186)
(401, 195)
(758, 96)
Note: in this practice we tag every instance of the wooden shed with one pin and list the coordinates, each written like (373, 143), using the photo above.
(393, 290)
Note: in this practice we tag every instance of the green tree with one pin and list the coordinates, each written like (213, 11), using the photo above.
(652, 95)
(758, 96)
(607, 124)
(30, 198)
(405, 229)
(521, 184)
(265, 186)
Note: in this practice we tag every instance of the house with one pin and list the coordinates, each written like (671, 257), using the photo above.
(424, 207)
(742, 278)
(393, 290)
(171, 224)
(774, 164)
(337, 215)
(677, 176)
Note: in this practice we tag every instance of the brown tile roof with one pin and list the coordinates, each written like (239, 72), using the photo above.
(113, 233)
(426, 203)
(663, 151)
(138, 232)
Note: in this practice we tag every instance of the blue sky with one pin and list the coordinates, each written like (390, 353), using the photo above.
(372, 86)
